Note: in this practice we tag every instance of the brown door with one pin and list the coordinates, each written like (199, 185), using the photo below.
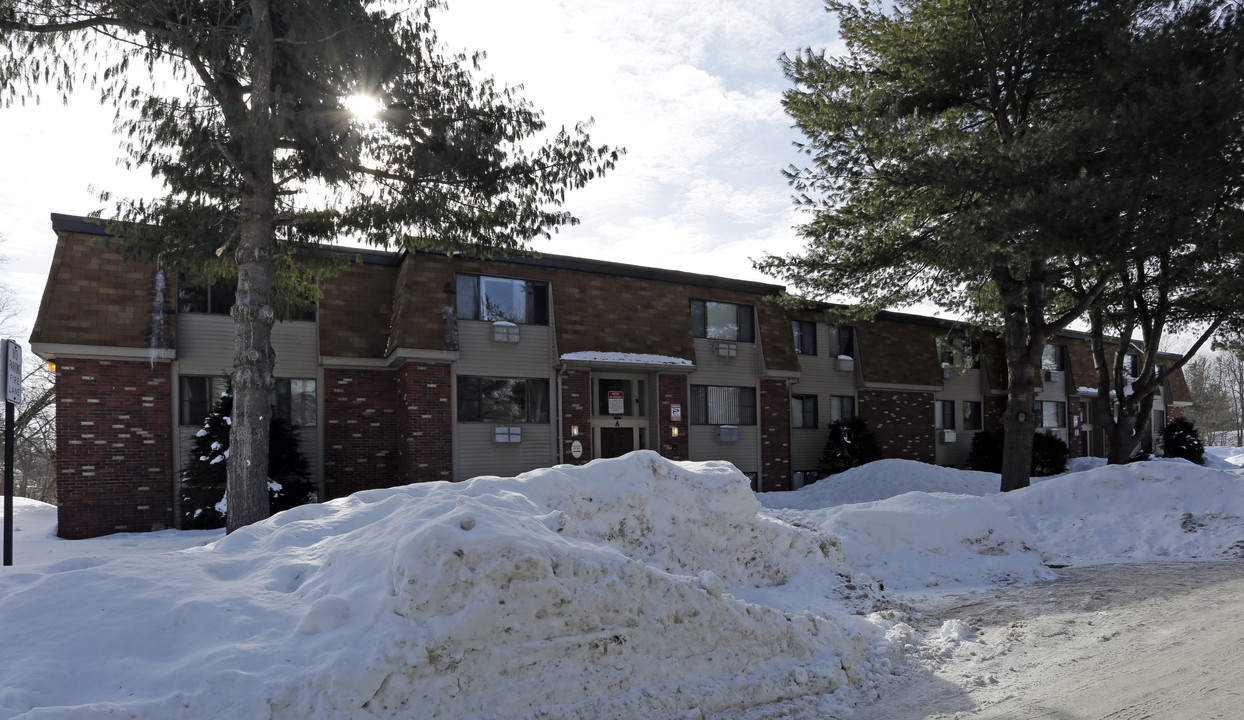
(616, 441)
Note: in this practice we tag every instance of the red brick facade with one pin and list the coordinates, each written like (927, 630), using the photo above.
(902, 421)
(774, 436)
(576, 388)
(673, 390)
(114, 447)
(426, 422)
(360, 431)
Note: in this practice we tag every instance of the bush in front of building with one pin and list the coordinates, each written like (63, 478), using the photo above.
(986, 453)
(203, 481)
(1180, 439)
(1049, 455)
(851, 443)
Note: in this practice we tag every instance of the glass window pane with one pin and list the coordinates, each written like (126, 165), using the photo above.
(302, 403)
(613, 397)
(468, 297)
(698, 326)
(222, 294)
(191, 298)
(503, 299)
(699, 405)
(537, 399)
(469, 408)
(722, 321)
(846, 341)
(538, 303)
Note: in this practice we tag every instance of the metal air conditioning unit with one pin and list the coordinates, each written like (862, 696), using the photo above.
(507, 434)
(1054, 376)
(728, 433)
(726, 349)
(949, 436)
(504, 332)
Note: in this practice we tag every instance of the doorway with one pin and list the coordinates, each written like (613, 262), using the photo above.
(619, 413)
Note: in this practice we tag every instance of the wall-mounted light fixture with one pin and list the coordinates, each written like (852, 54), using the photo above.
(674, 431)
(574, 431)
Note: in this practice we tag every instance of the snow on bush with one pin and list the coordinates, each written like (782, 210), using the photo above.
(606, 590)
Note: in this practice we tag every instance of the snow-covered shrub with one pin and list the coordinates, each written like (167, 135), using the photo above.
(1180, 439)
(1049, 455)
(851, 444)
(203, 503)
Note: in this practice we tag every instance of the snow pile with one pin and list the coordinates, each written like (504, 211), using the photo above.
(884, 479)
(923, 538)
(1142, 511)
(600, 591)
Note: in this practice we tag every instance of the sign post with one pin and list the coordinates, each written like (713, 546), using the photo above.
(12, 352)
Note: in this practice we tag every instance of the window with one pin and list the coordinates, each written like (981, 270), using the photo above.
(293, 399)
(805, 336)
(841, 407)
(481, 297)
(961, 354)
(1050, 414)
(216, 299)
(197, 395)
(486, 399)
(972, 419)
(1053, 358)
(1132, 365)
(716, 405)
(846, 341)
(803, 412)
(620, 397)
(944, 414)
(722, 321)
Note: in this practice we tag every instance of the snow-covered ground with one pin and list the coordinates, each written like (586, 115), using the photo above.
(634, 587)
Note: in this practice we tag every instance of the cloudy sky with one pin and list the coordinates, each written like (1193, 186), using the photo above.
(691, 88)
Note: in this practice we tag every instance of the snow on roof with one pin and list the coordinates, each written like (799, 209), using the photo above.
(626, 358)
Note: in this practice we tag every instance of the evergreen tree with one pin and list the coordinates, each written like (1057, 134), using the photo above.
(973, 154)
(1180, 439)
(204, 479)
(1049, 455)
(260, 154)
(850, 444)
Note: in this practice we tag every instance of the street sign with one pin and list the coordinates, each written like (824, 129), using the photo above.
(12, 371)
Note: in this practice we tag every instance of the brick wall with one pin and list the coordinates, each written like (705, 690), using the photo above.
(360, 431)
(114, 447)
(673, 390)
(902, 421)
(576, 410)
(426, 422)
(774, 436)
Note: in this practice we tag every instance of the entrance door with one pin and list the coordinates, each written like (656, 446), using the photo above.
(616, 441)
(619, 413)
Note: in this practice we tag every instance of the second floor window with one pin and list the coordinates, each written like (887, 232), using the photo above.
(972, 419)
(846, 341)
(722, 321)
(215, 299)
(481, 297)
(1052, 358)
(805, 336)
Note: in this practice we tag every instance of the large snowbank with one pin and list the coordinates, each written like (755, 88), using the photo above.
(914, 540)
(600, 591)
(634, 587)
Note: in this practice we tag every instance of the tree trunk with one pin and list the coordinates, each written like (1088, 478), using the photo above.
(253, 314)
(1022, 313)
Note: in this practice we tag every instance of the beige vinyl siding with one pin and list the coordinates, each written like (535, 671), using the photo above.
(963, 386)
(531, 356)
(205, 346)
(821, 377)
(744, 453)
(710, 369)
(481, 456)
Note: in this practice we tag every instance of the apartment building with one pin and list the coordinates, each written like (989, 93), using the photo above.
(425, 366)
